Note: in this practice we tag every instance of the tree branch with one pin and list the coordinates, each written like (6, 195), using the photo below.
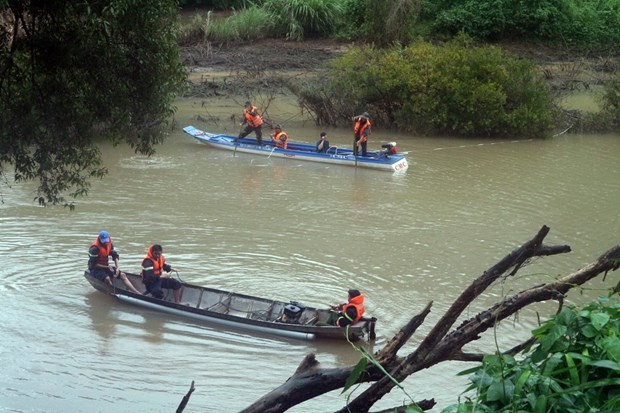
(310, 380)
(186, 398)
(430, 352)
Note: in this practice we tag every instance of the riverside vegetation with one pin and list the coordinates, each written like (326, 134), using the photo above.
(75, 73)
(440, 67)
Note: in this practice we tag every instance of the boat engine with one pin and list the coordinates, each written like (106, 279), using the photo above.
(389, 148)
(292, 312)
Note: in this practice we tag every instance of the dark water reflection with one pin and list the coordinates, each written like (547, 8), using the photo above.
(288, 230)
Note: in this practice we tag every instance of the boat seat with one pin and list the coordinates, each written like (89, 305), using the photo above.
(222, 306)
(261, 313)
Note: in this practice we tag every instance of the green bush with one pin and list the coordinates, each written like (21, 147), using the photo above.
(216, 4)
(608, 118)
(351, 26)
(611, 103)
(454, 89)
(574, 23)
(379, 21)
(573, 368)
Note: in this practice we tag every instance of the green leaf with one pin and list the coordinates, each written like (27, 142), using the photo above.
(469, 371)
(589, 331)
(355, 374)
(541, 404)
(584, 313)
(552, 363)
(500, 391)
(599, 320)
(612, 347)
(572, 369)
(523, 377)
(606, 364)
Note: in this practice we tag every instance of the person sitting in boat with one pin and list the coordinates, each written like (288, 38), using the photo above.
(279, 137)
(99, 255)
(322, 145)
(156, 274)
(351, 311)
(254, 122)
(361, 130)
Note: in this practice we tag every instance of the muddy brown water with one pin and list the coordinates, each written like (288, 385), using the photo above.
(288, 230)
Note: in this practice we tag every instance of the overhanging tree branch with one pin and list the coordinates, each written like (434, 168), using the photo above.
(310, 380)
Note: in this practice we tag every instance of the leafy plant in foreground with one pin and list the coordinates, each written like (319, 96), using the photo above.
(574, 367)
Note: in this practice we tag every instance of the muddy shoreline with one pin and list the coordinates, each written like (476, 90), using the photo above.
(266, 64)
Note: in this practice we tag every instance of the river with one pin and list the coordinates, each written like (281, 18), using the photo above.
(288, 230)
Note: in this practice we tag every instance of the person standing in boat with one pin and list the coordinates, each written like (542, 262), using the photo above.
(279, 137)
(322, 145)
(253, 121)
(361, 130)
(351, 311)
(156, 274)
(99, 255)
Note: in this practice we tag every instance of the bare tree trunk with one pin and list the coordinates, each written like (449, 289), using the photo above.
(310, 380)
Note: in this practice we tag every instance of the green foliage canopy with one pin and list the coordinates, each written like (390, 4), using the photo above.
(379, 21)
(575, 23)
(455, 89)
(75, 72)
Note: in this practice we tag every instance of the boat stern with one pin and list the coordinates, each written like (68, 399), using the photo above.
(401, 165)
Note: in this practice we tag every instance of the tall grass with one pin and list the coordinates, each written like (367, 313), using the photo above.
(296, 19)
(246, 24)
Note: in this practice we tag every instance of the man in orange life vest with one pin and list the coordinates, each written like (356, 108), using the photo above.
(98, 261)
(361, 130)
(279, 137)
(254, 122)
(156, 274)
(351, 311)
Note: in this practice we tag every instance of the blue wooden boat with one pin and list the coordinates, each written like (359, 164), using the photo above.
(233, 310)
(335, 155)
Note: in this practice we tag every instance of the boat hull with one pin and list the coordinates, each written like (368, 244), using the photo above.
(300, 151)
(240, 311)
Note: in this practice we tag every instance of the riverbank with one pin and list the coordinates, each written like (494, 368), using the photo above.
(565, 71)
(267, 66)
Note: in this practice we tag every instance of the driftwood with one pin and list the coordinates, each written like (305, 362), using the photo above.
(310, 380)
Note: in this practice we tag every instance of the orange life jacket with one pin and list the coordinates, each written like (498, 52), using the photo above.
(254, 120)
(358, 303)
(281, 140)
(104, 251)
(158, 263)
(360, 128)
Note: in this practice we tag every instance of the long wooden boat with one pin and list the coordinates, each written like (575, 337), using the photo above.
(301, 151)
(287, 319)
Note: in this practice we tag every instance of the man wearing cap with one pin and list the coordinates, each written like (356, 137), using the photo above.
(98, 261)
(254, 122)
(361, 130)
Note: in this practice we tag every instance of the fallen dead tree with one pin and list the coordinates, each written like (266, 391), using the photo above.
(310, 380)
